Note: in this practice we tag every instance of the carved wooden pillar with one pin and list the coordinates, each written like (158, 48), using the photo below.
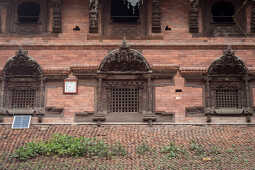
(100, 114)
(2, 92)
(193, 17)
(208, 96)
(99, 95)
(247, 91)
(149, 107)
(57, 16)
(149, 115)
(93, 16)
(156, 17)
(253, 18)
(42, 92)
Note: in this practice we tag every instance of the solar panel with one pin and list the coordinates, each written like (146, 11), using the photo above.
(21, 122)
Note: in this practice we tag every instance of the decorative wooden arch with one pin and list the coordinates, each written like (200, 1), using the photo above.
(22, 65)
(228, 64)
(124, 60)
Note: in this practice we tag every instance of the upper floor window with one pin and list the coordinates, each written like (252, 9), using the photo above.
(222, 12)
(121, 11)
(224, 18)
(28, 12)
(28, 16)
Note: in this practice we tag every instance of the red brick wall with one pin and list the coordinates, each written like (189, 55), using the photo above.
(177, 47)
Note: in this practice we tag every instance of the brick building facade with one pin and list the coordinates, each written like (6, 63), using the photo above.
(185, 61)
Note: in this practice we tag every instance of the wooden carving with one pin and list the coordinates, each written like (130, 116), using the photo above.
(22, 64)
(93, 16)
(227, 64)
(57, 16)
(193, 16)
(156, 17)
(253, 18)
(110, 84)
(124, 60)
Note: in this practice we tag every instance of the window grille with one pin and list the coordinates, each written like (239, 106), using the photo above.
(124, 100)
(24, 98)
(227, 98)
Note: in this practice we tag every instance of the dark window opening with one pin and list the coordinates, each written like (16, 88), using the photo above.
(124, 100)
(121, 12)
(23, 98)
(227, 98)
(28, 12)
(222, 12)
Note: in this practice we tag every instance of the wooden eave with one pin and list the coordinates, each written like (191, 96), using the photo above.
(193, 72)
(201, 72)
(56, 73)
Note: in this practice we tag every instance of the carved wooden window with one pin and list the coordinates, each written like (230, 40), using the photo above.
(124, 100)
(121, 12)
(223, 17)
(124, 82)
(28, 12)
(23, 85)
(222, 12)
(226, 98)
(227, 87)
(28, 16)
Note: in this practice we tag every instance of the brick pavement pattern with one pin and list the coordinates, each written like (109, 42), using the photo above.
(235, 145)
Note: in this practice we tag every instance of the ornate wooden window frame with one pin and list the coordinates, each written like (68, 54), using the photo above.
(22, 72)
(124, 68)
(228, 72)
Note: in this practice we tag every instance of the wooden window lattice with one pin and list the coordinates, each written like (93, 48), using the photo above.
(124, 100)
(227, 98)
(23, 98)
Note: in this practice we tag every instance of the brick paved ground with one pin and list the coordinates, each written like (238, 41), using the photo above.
(224, 147)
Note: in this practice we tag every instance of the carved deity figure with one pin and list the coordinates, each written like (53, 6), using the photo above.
(93, 13)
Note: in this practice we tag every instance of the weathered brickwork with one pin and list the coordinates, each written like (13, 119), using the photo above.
(167, 53)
